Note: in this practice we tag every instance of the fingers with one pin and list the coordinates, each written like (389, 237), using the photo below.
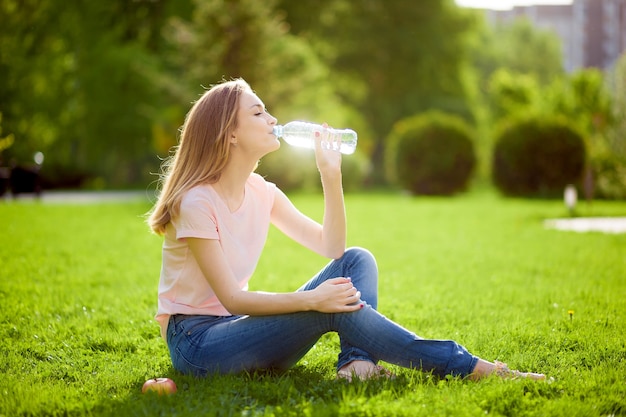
(347, 308)
(326, 140)
(331, 141)
(348, 294)
(339, 280)
(326, 137)
(343, 287)
(318, 141)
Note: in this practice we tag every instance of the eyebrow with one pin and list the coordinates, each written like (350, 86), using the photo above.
(257, 105)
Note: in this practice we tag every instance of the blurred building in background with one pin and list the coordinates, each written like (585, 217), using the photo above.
(592, 32)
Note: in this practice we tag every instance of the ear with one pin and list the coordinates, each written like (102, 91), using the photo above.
(233, 138)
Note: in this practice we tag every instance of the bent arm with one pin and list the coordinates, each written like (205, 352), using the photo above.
(327, 240)
(335, 295)
(334, 224)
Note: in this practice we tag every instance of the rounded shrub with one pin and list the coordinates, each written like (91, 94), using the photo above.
(537, 157)
(431, 154)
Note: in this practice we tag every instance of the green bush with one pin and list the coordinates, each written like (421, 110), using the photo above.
(430, 153)
(608, 170)
(538, 157)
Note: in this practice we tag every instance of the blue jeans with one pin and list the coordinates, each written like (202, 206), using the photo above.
(208, 344)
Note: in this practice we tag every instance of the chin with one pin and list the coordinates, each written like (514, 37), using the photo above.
(271, 149)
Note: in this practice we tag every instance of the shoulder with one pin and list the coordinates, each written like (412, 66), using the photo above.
(261, 188)
(198, 215)
(259, 183)
(199, 192)
(200, 195)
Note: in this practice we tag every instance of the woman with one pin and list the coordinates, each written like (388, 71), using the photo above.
(215, 213)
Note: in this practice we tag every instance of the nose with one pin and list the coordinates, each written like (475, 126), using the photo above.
(272, 120)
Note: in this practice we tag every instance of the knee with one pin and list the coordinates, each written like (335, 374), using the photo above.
(358, 255)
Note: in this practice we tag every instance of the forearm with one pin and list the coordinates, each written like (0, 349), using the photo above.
(335, 295)
(256, 303)
(334, 223)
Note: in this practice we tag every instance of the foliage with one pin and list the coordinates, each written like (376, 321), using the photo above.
(582, 99)
(617, 84)
(75, 87)
(248, 39)
(512, 94)
(78, 336)
(414, 60)
(518, 47)
(290, 168)
(538, 156)
(294, 168)
(512, 62)
(431, 153)
(5, 142)
(611, 172)
(101, 88)
(588, 104)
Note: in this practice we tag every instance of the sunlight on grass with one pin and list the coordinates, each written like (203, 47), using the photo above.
(78, 295)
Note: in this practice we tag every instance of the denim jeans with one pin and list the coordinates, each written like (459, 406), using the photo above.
(208, 344)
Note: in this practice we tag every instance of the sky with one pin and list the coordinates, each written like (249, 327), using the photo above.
(506, 4)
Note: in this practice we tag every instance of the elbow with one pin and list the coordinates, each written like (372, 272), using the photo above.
(236, 311)
(233, 306)
(336, 253)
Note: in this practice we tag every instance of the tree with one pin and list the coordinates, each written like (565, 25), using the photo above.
(518, 47)
(511, 94)
(390, 58)
(512, 62)
(114, 98)
(586, 103)
(617, 84)
(31, 72)
(249, 39)
(77, 85)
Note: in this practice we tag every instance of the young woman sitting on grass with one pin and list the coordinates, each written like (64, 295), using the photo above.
(215, 213)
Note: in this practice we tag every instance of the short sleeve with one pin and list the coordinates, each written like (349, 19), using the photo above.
(197, 216)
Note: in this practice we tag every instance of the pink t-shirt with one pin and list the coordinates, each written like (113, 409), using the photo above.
(183, 288)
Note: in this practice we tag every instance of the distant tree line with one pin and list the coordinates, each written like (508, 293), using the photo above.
(101, 88)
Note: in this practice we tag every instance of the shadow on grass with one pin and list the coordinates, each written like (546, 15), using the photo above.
(300, 391)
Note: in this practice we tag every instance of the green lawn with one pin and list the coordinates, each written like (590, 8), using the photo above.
(78, 295)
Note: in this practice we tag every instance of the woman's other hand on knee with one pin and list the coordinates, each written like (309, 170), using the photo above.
(336, 295)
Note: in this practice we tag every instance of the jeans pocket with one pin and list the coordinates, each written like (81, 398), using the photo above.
(185, 366)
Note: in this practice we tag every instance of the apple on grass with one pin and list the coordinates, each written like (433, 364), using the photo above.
(159, 385)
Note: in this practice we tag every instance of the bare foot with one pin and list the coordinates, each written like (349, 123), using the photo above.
(363, 370)
(503, 371)
(484, 369)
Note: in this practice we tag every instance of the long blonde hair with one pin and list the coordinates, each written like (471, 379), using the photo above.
(203, 151)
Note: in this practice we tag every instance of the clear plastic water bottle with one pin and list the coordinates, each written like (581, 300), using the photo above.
(302, 134)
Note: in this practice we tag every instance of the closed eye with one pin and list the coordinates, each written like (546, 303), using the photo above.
(261, 109)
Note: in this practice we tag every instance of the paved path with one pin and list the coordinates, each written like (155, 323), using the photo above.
(86, 197)
(589, 224)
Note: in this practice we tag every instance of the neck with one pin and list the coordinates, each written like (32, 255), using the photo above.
(236, 173)
(231, 186)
